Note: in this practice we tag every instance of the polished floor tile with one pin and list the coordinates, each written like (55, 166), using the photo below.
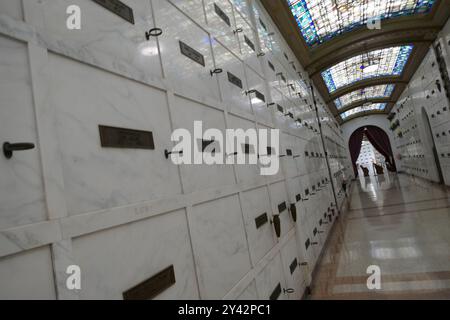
(399, 224)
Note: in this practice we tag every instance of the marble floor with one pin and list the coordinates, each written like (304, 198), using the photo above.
(400, 224)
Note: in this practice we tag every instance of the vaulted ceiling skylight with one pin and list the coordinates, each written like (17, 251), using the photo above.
(373, 64)
(374, 92)
(322, 20)
(365, 108)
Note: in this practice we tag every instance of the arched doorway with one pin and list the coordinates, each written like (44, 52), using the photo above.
(430, 142)
(379, 140)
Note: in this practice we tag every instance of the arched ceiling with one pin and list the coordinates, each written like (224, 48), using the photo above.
(359, 70)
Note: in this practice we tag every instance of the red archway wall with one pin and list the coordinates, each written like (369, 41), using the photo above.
(378, 138)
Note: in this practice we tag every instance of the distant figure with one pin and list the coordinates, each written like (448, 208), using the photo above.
(344, 187)
(378, 169)
(365, 170)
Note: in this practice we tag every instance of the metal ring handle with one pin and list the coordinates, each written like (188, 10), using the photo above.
(154, 32)
(216, 71)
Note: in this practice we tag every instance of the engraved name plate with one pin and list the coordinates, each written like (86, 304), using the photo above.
(276, 293)
(307, 244)
(280, 108)
(222, 15)
(234, 80)
(192, 53)
(298, 197)
(249, 43)
(262, 24)
(271, 66)
(112, 137)
(289, 152)
(260, 96)
(282, 207)
(261, 220)
(152, 287)
(293, 266)
(119, 8)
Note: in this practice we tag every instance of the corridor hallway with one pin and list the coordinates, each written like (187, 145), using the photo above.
(399, 223)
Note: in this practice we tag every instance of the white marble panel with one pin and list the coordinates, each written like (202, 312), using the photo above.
(192, 8)
(263, 29)
(278, 196)
(21, 185)
(289, 152)
(269, 278)
(220, 246)
(255, 82)
(292, 271)
(27, 275)
(98, 178)
(299, 155)
(281, 111)
(305, 254)
(232, 94)
(271, 69)
(262, 239)
(104, 38)
(117, 259)
(197, 177)
(188, 75)
(246, 173)
(250, 293)
(241, 8)
(279, 175)
(12, 8)
(248, 44)
(222, 28)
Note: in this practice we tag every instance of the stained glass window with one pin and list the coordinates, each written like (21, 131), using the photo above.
(373, 64)
(374, 92)
(362, 109)
(321, 20)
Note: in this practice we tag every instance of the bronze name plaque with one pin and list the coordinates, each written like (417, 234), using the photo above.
(260, 96)
(262, 24)
(112, 137)
(276, 293)
(222, 15)
(234, 80)
(249, 43)
(261, 220)
(282, 207)
(307, 244)
(192, 54)
(119, 8)
(293, 266)
(152, 287)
